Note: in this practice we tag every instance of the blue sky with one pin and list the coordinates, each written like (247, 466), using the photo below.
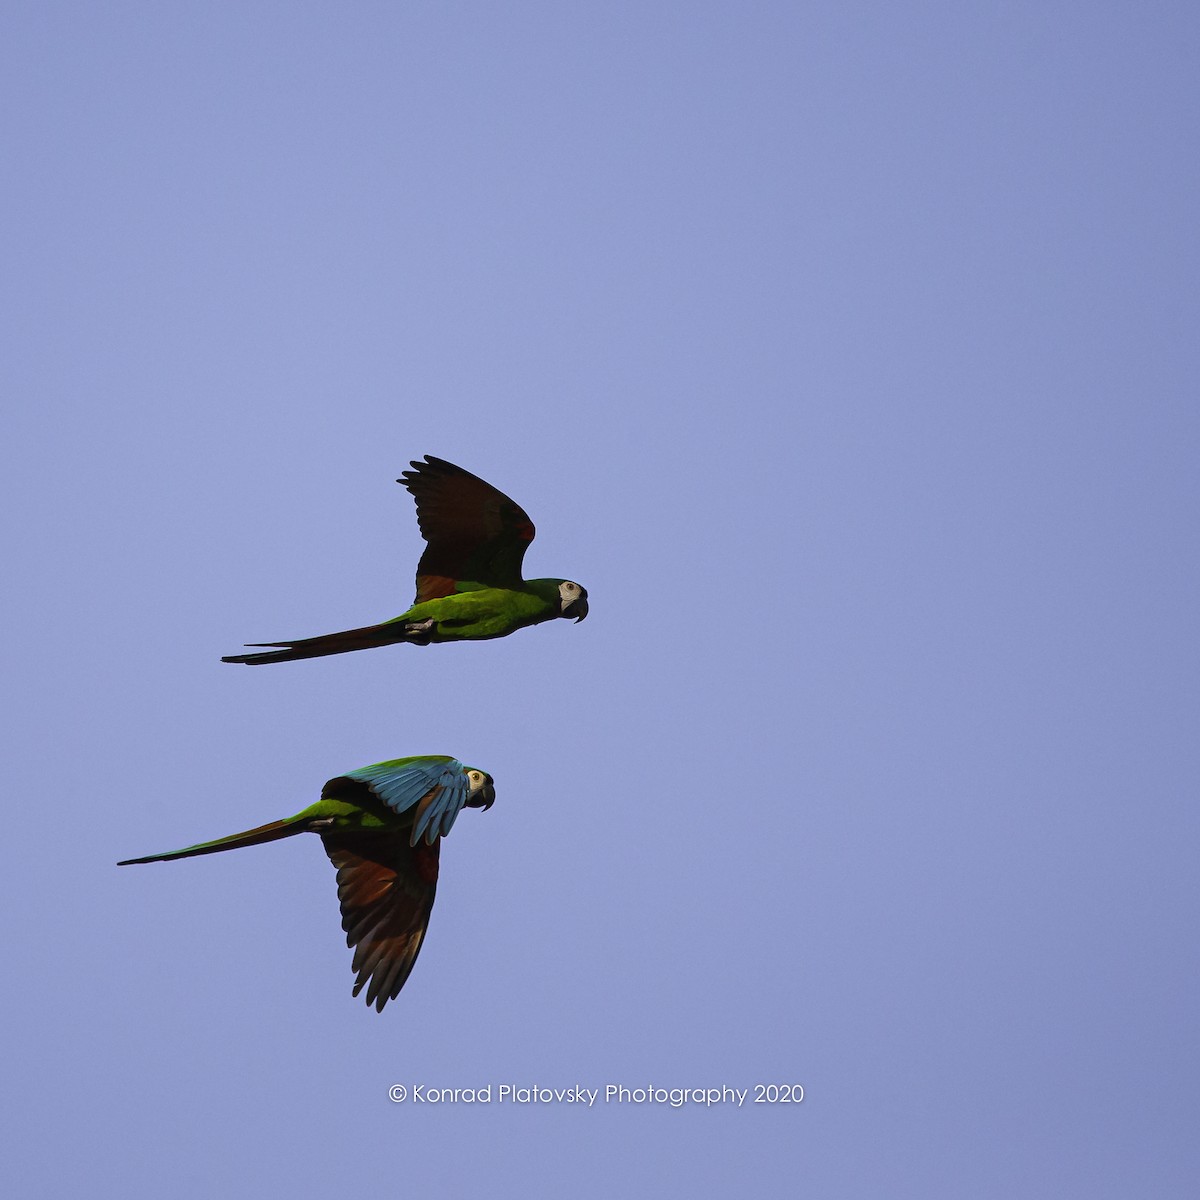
(846, 353)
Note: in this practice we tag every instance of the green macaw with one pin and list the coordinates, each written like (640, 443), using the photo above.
(469, 585)
(382, 827)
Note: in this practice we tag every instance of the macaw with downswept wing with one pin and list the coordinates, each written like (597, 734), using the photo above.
(382, 828)
(469, 583)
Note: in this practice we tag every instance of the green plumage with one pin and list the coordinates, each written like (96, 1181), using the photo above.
(381, 827)
(324, 816)
(478, 612)
(469, 584)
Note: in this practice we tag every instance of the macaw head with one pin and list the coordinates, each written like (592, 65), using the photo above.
(483, 789)
(572, 600)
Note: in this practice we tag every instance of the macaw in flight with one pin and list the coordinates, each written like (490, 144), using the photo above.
(382, 827)
(469, 584)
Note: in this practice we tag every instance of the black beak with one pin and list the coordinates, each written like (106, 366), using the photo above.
(485, 798)
(577, 609)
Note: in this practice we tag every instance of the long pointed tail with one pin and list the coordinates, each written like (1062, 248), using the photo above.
(252, 837)
(328, 643)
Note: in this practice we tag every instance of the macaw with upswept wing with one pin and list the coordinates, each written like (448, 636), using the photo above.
(469, 584)
(382, 827)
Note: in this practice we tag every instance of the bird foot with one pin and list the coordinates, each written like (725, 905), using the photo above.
(420, 633)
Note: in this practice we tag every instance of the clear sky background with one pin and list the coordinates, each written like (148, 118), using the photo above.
(846, 353)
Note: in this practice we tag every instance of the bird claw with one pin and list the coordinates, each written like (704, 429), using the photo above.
(420, 633)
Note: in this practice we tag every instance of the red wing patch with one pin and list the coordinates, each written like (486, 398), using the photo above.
(474, 531)
(386, 889)
(434, 587)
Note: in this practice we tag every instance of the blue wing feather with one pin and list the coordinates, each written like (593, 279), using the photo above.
(402, 783)
(421, 826)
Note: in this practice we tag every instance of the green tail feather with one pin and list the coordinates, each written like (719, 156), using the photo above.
(252, 837)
